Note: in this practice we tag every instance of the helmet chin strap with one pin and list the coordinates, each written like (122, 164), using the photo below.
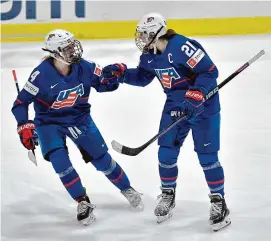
(62, 61)
(154, 49)
(61, 67)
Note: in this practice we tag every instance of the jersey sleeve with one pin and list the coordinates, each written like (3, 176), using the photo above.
(26, 97)
(193, 56)
(140, 76)
(96, 79)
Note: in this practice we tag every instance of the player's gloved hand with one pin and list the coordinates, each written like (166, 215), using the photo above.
(117, 70)
(194, 101)
(28, 135)
(109, 79)
(192, 105)
(176, 109)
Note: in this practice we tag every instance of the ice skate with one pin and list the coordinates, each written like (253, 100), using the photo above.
(163, 211)
(219, 213)
(85, 213)
(134, 199)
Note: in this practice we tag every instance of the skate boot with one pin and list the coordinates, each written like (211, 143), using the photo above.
(134, 199)
(219, 213)
(85, 213)
(163, 211)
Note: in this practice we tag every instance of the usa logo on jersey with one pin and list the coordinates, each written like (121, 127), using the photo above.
(166, 76)
(67, 98)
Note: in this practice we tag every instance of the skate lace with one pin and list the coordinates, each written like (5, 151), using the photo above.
(83, 207)
(165, 199)
(216, 209)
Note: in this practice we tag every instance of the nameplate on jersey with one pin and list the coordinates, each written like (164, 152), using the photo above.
(67, 98)
(166, 76)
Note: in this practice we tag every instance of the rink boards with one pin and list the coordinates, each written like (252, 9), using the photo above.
(31, 20)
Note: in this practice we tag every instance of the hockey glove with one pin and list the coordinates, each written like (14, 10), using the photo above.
(116, 70)
(176, 110)
(194, 101)
(192, 105)
(109, 80)
(28, 135)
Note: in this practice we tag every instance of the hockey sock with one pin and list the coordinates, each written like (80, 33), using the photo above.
(213, 171)
(68, 175)
(168, 174)
(168, 168)
(112, 171)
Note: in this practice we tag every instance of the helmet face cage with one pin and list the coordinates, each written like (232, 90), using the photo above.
(143, 39)
(71, 53)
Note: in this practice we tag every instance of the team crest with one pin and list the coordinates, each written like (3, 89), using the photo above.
(166, 76)
(150, 19)
(51, 36)
(67, 98)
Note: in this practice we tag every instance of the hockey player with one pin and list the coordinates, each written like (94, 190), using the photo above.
(60, 88)
(186, 74)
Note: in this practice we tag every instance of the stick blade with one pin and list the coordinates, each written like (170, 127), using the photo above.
(32, 158)
(117, 146)
(125, 150)
(257, 56)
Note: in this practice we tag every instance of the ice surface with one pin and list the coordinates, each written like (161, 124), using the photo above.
(35, 206)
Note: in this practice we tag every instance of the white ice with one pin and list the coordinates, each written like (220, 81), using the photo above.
(35, 206)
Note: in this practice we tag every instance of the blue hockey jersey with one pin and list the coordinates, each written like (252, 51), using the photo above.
(184, 63)
(60, 99)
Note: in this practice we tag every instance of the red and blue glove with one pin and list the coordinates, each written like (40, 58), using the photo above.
(117, 70)
(194, 101)
(28, 135)
(109, 80)
(193, 104)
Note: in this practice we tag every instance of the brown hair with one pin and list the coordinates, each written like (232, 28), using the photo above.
(46, 57)
(169, 34)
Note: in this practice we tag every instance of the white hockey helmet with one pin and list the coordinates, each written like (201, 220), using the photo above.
(62, 46)
(148, 30)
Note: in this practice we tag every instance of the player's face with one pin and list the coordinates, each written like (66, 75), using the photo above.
(72, 52)
(143, 39)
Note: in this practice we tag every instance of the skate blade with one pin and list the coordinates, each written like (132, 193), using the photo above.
(218, 226)
(161, 219)
(138, 208)
(87, 221)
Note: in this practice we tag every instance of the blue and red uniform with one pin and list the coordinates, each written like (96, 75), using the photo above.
(62, 110)
(184, 65)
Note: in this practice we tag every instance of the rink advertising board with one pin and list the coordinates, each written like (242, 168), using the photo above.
(30, 20)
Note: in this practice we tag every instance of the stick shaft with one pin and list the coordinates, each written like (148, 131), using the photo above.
(18, 90)
(212, 92)
(134, 151)
(15, 80)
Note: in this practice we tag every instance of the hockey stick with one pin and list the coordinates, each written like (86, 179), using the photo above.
(135, 151)
(31, 153)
